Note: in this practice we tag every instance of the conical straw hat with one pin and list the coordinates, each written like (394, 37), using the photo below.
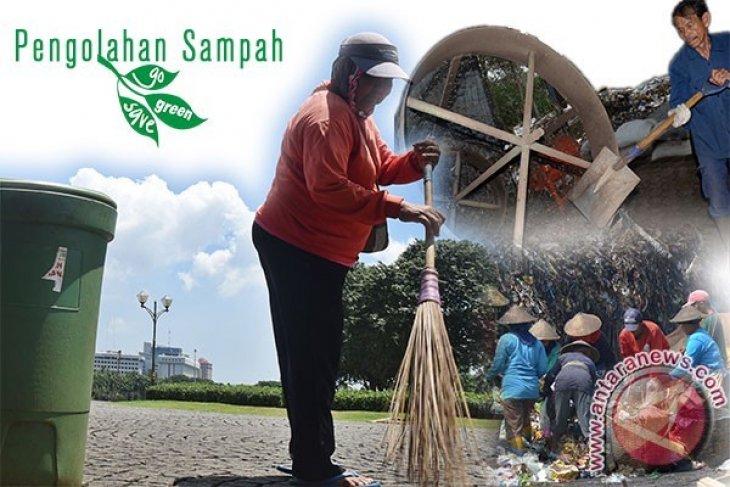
(688, 314)
(492, 297)
(582, 347)
(516, 315)
(582, 324)
(543, 331)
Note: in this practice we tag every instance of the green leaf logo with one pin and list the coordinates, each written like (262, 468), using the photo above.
(173, 111)
(150, 77)
(169, 109)
(139, 118)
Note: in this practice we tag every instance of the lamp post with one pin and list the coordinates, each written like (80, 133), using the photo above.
(166, 300)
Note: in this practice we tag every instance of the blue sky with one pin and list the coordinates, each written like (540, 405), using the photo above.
(185, 208)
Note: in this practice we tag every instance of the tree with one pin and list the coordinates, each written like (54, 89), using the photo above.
(380, 303)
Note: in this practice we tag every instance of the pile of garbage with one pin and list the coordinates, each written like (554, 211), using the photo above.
(626, 104)
(515, 471)
(632, 269)
(571, 462)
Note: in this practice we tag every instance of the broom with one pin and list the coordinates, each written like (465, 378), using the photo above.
(429, 397)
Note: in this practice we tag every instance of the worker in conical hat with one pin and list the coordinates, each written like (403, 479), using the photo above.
(712, 323)
(521, 360)
(573, 379)
(700, 347)
(587, 327)
(550, 339)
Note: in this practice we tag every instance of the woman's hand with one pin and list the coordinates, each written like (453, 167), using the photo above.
(427, 216)
(429, 151)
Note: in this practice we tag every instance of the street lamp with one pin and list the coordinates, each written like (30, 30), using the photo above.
(166, 300)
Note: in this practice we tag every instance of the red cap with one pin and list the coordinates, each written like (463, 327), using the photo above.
(697, 296)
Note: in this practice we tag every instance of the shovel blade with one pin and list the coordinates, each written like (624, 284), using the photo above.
(600, 206)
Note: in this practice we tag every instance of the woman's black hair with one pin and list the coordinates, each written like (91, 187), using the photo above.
(342, 68)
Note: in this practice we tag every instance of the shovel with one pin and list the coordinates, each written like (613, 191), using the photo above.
(608, 181)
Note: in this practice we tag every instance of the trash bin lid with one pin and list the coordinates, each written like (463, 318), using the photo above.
(42, 202)
(22, 185)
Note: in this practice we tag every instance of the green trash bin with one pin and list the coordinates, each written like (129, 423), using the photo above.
(53, 241)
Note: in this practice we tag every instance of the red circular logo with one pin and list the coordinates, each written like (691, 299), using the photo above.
(659, 419)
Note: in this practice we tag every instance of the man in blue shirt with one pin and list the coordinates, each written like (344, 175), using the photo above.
(712, 324)
(521, 360)
(704, 57)
(700, 347)
(703, 351)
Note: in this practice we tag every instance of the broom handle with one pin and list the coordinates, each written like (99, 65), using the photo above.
(428, 198)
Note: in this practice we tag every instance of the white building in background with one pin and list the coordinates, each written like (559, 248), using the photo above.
(118, 362)
(206, 369)
(169, 365)
(169, 361)
(159, 351)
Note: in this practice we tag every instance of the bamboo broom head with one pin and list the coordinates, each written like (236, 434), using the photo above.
(429, 399)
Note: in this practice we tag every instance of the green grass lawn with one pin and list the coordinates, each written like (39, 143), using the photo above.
(211, 407)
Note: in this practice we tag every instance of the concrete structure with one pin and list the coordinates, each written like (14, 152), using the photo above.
(118, 362)
(169, 365)
(206, 369)
(159, 351)
(171, 361)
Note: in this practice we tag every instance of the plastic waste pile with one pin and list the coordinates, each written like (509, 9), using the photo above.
(625, 104)
(570, 462)
(603, 278)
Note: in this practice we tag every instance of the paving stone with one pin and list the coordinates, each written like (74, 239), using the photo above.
(131, 446)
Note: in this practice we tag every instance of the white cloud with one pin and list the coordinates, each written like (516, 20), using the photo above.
(188, 280)
(212, 264)
(204, 229)
(238, 278)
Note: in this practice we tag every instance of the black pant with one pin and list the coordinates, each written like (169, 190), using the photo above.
(305, 296)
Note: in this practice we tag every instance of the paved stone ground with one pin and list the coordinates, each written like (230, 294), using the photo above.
(129, 446)
(137, 446)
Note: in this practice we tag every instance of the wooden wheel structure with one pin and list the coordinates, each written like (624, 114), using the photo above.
(490, 94)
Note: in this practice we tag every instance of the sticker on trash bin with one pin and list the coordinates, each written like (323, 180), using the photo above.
(55, 273)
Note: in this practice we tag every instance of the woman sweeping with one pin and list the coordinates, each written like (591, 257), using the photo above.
(521, 360)
(323, 205)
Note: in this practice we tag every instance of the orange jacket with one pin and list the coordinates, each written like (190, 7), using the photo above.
(324, 197)
(654, 339)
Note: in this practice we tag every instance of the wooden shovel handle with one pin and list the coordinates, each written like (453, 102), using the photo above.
(655, 134)
(662, 127)
(428, 200)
